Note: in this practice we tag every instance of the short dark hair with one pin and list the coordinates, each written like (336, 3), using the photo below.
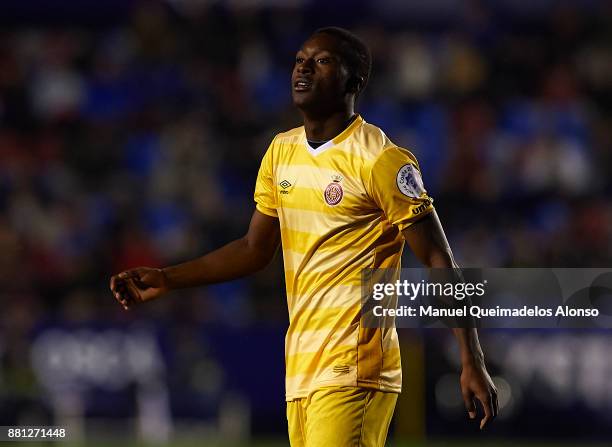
(355, 53)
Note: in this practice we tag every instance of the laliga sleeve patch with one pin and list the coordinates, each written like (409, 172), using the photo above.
(409, 181)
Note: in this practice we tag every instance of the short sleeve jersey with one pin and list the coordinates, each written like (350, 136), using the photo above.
(341, 209)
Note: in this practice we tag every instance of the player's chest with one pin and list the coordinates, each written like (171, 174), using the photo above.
(325, 188)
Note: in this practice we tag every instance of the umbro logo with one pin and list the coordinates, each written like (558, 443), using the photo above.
(285, 184)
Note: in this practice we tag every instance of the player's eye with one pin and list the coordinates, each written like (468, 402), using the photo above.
(299, 60)
(323, 60)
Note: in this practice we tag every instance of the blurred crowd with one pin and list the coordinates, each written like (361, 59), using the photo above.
(137, 142)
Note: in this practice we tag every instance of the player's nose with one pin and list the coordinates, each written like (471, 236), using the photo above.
(305, 67)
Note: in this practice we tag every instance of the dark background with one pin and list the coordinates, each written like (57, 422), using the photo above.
(131, 134)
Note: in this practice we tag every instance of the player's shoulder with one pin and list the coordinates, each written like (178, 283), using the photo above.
(375, 143)
(291, 135)
(283, 142)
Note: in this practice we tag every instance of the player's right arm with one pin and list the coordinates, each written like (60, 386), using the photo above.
(239, 258)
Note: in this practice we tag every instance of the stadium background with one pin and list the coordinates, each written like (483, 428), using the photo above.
(131, 134)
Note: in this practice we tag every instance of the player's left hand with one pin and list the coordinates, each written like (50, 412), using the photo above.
(476, 383)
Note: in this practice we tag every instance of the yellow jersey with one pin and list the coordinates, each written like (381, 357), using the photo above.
(341, 208)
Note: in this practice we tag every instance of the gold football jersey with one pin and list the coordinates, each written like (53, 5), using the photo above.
(341, 209)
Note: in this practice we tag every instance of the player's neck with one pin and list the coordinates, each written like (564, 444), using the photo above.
(323, 128)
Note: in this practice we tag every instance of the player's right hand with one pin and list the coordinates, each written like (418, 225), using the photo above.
(138, 285)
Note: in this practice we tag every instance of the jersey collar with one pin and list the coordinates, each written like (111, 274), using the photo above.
(358, 121)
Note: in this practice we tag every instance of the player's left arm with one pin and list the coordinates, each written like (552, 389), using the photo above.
(428, 242)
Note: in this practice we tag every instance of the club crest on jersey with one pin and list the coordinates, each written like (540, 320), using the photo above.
(333, 193)
(409, 181)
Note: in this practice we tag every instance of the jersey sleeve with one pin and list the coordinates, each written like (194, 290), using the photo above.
(395, 184)
(265, 191)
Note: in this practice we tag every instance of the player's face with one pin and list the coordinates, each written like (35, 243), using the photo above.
(319, 78)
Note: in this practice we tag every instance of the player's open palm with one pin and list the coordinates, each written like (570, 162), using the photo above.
(138, 285)
(476, 383)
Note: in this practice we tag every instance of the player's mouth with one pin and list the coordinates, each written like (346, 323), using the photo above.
(302, 85)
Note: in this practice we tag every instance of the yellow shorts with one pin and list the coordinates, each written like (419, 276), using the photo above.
(340, 417)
